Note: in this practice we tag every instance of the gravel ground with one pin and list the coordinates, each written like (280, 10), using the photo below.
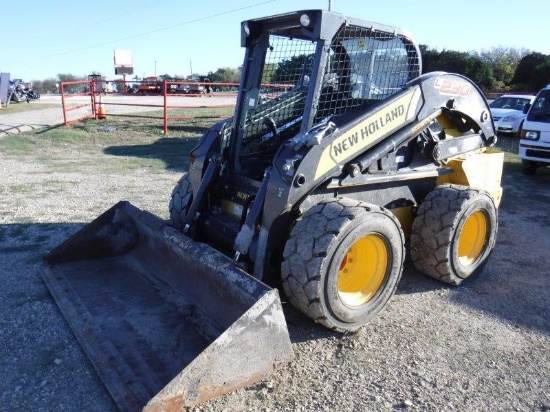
(484, 346)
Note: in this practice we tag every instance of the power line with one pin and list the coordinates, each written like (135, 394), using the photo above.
(131, 11)
(150, 32)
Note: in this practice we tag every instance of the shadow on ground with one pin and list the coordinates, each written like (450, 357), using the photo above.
(173, 151)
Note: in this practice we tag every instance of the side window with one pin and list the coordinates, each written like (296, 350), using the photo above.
(541, 108)
(364, 67)
(379, 68)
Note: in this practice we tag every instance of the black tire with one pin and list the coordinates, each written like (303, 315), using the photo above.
(528, 167)
(342, 262)
(520, 128)
(181, 199)
(453, 233)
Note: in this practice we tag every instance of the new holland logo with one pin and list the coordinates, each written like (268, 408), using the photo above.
(339, 149)
(350, 143)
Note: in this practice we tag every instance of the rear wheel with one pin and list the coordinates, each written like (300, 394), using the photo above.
(181, 199)
(528, 167)
(454, 232)
(342, 262)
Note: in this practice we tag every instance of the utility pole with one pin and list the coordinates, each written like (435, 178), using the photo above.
(329, 5)
(191, 67)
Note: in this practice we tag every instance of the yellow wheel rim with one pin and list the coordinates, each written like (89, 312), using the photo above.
(472, 238)
(362, 270)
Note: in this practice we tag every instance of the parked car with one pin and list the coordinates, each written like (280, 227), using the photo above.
(534, 146)
(507, 112)
(108, 88)
(150, 85)
(191, 87)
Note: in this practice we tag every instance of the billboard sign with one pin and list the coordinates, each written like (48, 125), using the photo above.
(123, 62)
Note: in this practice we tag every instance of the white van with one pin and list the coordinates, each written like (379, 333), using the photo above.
(534, 146)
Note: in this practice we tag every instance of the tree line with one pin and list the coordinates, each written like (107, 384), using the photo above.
(500, 68)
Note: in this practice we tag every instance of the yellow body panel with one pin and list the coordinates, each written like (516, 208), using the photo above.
(481, 170)
(405, 216)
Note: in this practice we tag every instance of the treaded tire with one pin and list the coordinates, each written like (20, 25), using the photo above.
(453, 233)
(528, 167)
(316, 255)
(182, 196)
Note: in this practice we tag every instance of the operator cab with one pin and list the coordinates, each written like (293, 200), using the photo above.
(307, 68)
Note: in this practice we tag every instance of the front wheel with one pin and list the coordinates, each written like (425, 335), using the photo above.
(342, 262)
(181, 199)
(528, 167)
(454, 232)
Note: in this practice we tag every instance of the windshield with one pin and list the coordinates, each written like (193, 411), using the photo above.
(364, 67)
(506, 102)
(540, 110)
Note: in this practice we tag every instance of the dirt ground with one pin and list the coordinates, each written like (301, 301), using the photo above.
(483, 346)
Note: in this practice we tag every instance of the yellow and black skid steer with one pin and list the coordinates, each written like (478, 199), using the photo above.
(317, 191)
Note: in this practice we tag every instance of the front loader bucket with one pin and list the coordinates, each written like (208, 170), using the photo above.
(166, 321)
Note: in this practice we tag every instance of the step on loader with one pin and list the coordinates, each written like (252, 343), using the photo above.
(340, 156)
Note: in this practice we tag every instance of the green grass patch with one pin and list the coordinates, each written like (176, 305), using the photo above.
(26, 107)
(116, 145)
(35, 141)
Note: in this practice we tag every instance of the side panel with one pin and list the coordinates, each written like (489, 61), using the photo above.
(404, 115)
(354, 141)
(481, 170)
(209, 143)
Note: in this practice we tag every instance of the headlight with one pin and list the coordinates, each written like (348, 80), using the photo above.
(246, 28)
(511, 118)
(530, 134)
(305, 20)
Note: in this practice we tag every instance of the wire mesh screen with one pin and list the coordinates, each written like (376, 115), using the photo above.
(285, 79)
(364, 66)
(287, 62)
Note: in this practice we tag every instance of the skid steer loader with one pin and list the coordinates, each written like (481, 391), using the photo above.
(320, 189)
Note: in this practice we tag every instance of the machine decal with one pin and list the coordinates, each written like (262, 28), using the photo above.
(242, 195)
(384, 121)
(452, 87)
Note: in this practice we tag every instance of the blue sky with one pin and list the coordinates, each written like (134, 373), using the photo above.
(43, 38)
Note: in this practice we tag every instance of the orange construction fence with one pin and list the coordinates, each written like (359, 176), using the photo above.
(172, 92)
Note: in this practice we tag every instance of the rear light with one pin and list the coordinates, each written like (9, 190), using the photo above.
(192, 159)
(530, 134)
